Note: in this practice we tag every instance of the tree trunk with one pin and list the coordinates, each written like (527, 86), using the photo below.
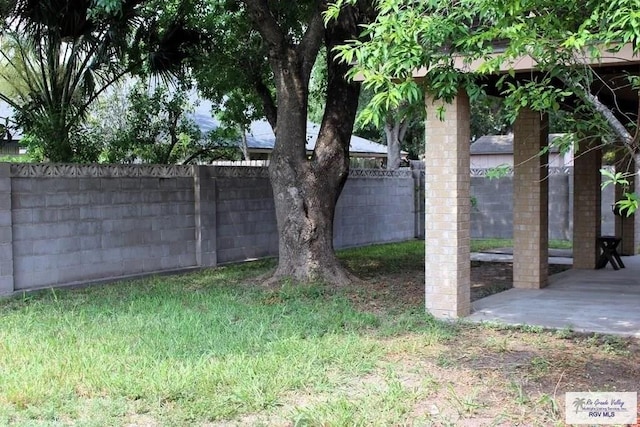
(395, 129)
(393, 144)
(306, 190)
(243, 145)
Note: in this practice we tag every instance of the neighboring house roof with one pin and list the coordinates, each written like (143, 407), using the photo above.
(502, 144)
(260, 137)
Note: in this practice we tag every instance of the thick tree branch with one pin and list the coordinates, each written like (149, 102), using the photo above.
(332, 146)
(244, 146)
(194, 155)
(404, 126)
(311, 41)
(270, 107)
(265, 23)
(618, 128)
(173, 136)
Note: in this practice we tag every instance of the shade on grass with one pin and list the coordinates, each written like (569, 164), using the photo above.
(206, 346)
(196, 347)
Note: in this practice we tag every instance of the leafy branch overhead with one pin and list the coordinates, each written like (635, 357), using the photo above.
(476, 44)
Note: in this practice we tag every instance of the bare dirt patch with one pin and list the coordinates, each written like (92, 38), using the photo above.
(480, 377)
(488, 278)
(406, 286)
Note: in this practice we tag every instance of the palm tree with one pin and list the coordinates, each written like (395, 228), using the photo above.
(58, 56)
(54, 61)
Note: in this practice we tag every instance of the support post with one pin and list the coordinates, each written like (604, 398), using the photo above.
(447, 209)
(204, 185)
(628, 228)
(530, 201)
(587, 201)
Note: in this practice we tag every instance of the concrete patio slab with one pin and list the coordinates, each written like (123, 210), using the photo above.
(603, 301)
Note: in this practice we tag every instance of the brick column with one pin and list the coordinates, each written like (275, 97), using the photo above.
(447, 209)
(204, 185)
(530, 201)
(628, 228)
(6, 232)
(587, 209)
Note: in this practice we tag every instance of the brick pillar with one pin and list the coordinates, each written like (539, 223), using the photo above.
(447, 209)
(587, 209)
(6, 232)
(204, 185)
(627, 228)
(530, 201)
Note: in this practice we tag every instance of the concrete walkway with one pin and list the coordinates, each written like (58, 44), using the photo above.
(603, 301)
(556, 256)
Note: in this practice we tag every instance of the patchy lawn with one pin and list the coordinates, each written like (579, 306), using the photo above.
(395, 273)
(213, 349)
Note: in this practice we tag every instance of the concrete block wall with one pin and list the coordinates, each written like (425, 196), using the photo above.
(376, 206)
(73, 224)
(607, 218)
(419, 176)
(559, 213)
(205, 187)
(63, 224)
(78, 229)
(6, 231)
(492, 210)
(246, 219)
(58, 218)
(492, 207)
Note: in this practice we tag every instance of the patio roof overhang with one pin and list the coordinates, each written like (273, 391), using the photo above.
(611, 68)
(623, 57)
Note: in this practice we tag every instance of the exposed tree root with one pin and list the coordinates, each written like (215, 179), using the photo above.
(336, 276)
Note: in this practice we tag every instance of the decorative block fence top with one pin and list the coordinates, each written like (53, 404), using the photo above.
(481, 172)
(62, 170)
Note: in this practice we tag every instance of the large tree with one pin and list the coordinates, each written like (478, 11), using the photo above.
(306, 189)
(399, 129)
(258, 61)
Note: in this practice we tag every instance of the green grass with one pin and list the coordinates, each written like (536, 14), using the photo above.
(398, 256)
(478, 245)
(374, 260)
(183, 349)
(211, 347)
(561, 244)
